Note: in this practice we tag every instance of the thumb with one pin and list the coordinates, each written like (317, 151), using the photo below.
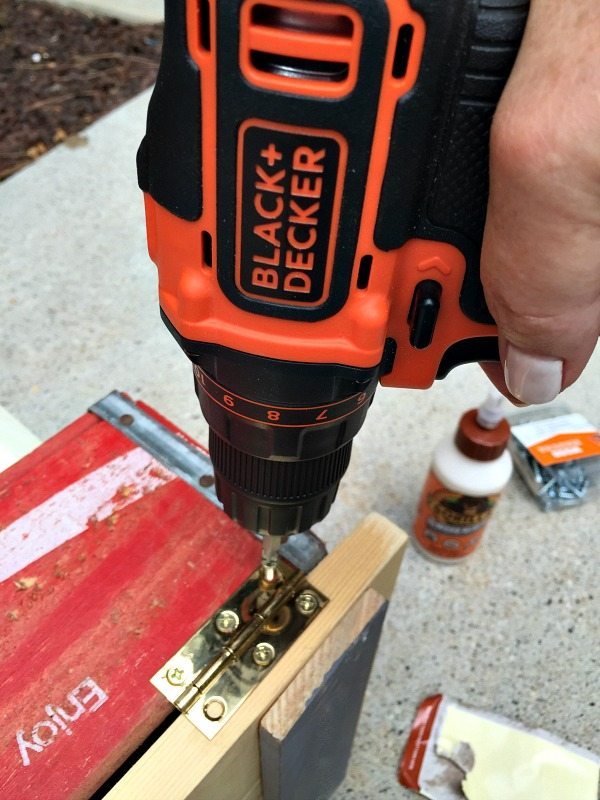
(540, 263)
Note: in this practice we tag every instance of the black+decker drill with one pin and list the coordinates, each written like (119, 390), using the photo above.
(315, 178)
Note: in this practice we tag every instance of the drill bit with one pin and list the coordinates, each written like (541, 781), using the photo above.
(269, 574)
(269, 568)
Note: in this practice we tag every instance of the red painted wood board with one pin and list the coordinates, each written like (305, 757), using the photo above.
(108, 564)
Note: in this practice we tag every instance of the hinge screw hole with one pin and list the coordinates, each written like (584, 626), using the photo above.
(215, 708)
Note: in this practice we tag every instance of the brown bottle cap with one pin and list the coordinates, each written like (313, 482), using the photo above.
(479, 443)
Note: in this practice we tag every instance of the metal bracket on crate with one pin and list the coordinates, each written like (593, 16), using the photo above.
(170, 448)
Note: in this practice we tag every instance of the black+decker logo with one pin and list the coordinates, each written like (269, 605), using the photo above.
(289, 187)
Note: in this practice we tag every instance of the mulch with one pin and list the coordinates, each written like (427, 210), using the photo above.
(60, 70)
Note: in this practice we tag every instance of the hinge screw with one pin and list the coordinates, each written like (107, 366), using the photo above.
(176, 676)
(214, 708)
(307, 603)
(263, 654)
(227, 621)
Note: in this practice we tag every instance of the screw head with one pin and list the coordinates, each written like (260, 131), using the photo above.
(227, 621)
(176, 676)
(215, 708)
(307, 603)
(263, 654)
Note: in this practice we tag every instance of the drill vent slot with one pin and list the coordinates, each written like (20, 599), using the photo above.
(364, 272)
(285, 47)
(204, 24)
(273, 16)
(207, 254)
(307, 68)
(402, 54)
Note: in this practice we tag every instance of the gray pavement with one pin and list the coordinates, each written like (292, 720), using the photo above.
(515, 629)
(138, 11)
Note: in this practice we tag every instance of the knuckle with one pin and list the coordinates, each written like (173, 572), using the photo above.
(518, 320)
(551, 332)
(545, 137)
(522, 143)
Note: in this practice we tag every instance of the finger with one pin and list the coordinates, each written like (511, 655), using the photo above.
(540, 261)
(542, 281)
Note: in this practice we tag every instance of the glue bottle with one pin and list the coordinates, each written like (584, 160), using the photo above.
(468, 473)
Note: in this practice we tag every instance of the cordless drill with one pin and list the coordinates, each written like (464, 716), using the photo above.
(315, 178)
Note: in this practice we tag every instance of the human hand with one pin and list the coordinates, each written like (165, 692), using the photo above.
(540, 263)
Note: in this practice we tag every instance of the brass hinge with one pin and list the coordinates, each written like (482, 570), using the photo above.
(215, 671)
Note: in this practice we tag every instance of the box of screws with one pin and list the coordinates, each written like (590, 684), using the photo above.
(557, 453)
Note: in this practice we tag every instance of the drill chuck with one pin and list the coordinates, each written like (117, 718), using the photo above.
(276, 497)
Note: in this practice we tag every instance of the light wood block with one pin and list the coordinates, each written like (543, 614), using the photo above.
(306, 737)
(15, 440)
(183, 764)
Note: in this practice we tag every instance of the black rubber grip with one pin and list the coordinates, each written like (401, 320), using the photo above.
(169, 159)
(281, 497)
(436, 182)
(281, 481)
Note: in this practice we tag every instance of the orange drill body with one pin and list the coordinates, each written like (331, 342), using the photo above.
(315, 177)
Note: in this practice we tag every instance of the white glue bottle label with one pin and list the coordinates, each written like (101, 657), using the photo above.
(467, 475)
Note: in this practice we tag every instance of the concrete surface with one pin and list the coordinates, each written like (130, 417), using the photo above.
(140, 11)
(515, 629)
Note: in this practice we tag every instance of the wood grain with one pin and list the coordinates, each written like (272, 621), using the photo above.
(183, 764)
(306, 737)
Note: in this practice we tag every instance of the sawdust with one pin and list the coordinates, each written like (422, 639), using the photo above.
(112, 520)
(23, 584)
